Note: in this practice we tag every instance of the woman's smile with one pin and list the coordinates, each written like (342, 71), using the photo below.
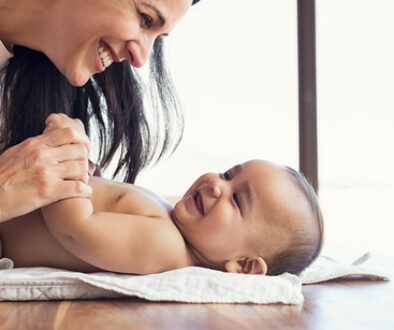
(106, 56)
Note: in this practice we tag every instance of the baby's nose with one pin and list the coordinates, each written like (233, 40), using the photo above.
(214, 188)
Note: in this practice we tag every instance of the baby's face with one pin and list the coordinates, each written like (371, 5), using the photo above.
(223, 215)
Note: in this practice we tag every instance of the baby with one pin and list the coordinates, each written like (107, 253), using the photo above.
(255, 218)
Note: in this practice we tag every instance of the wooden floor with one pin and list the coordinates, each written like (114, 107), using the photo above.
(335, 306)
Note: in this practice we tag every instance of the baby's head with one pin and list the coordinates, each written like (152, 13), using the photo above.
(255, 218)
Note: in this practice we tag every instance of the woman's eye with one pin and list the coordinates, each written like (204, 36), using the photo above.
(226, 176)
(146, 21)
(236, 200)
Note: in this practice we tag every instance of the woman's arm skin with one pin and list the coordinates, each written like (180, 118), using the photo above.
(115, 242)
(42, 170)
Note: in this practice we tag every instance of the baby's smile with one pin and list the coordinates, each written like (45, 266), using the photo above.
(199, 202)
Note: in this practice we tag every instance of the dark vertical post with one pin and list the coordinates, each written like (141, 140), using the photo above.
(307, 91)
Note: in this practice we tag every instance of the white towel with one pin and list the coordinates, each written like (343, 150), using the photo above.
(326, 269)
(190, 284)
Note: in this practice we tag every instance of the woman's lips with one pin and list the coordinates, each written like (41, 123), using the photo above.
(105, 56)
(99, 64)
(108, 48)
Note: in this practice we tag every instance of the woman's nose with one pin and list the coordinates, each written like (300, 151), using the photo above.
(140, 50)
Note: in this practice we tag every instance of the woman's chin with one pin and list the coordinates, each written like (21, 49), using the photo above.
(78, 78)
(78, 81)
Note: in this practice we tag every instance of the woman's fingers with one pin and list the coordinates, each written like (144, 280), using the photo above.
(44, 169)
(53, 139)
(69, 152)
(68, 162)
(72, 130)
(38, 185)
(71, 189)
(60, 120)
(34, 153)
(67, 179)
(72, 170)
(65, 135)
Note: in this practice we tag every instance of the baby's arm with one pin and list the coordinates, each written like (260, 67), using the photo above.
(113, 241)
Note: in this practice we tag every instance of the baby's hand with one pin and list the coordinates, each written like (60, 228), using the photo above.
(94, 169)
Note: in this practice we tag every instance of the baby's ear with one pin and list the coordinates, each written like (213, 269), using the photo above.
(247, 265)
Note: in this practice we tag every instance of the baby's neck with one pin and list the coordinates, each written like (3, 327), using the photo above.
(195, 258)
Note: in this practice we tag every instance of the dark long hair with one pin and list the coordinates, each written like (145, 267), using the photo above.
(112, 102)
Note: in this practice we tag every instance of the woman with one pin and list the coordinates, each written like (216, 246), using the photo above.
(73, 57)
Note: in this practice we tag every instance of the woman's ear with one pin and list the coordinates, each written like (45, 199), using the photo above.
(247, 265)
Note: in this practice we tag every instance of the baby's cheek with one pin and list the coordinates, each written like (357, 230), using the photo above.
(177, 211)
(223, 218)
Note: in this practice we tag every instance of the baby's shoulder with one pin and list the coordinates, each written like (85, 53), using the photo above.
(118, 197)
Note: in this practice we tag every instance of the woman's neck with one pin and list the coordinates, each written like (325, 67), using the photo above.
(22, 22)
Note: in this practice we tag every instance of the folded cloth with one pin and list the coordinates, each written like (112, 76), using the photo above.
(190, 284)
(326, 269)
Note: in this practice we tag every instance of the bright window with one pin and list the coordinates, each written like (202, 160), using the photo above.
(235, 67)
(355, 84)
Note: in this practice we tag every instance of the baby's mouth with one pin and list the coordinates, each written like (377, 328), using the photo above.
(199, 203)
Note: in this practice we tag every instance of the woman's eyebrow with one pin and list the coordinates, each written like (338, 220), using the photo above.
(158, 13)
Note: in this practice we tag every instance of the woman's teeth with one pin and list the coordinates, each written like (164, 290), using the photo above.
(104, 56)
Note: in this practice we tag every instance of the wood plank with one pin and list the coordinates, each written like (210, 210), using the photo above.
(342, 305)
(28, 315)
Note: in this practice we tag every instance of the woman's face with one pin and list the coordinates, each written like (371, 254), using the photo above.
(86, 36)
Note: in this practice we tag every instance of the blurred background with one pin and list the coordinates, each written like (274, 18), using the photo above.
(234, 64)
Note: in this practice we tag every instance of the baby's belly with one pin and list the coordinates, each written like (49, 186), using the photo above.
(27, 241)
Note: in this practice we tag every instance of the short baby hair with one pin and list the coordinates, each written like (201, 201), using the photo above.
(306, 244)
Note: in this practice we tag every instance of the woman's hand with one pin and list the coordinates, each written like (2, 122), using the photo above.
(44, 169)
(59, 120)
